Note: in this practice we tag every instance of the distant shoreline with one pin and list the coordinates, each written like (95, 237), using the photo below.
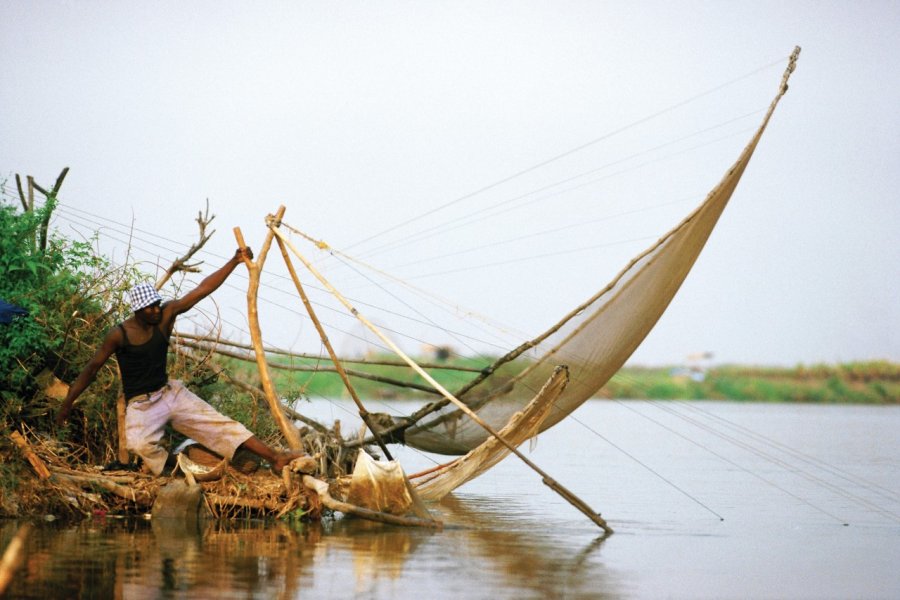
(870, 382)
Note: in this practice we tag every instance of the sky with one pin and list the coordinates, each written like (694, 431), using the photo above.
(503, 160)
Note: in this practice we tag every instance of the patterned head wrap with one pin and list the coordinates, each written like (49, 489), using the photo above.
(143, 295)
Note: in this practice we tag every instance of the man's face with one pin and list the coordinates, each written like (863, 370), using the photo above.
(152, 314)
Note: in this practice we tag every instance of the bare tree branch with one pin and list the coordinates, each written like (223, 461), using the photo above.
(181, 264)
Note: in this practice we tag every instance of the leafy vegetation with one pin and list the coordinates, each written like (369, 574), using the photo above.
(73, 297)
(63, 286)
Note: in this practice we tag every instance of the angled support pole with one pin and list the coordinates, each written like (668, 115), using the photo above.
(290, 433)
(547, 480)
(363, 413)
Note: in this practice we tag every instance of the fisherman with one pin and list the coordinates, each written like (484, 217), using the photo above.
(141, 344)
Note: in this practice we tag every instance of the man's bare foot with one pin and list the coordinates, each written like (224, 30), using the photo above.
(298, 461)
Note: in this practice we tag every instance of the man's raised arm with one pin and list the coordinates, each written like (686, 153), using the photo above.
(208, 285)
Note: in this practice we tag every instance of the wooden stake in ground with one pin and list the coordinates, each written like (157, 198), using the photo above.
(547, 480)
(291, 435)
(122, 450)
(363, 413)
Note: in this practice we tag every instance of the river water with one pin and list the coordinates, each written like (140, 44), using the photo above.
(708, 500)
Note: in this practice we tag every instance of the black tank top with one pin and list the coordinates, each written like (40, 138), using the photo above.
(143, 366)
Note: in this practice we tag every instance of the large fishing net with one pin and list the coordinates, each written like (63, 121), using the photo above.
(595, 339)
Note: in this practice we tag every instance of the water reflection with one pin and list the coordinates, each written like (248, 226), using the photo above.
(508, 537)
(530, 554)
(171, 558)
(485, 547)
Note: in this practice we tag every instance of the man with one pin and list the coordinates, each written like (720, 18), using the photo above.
(141, 344)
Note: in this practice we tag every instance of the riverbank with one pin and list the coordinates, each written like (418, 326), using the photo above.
(876, 382)
(871, 382)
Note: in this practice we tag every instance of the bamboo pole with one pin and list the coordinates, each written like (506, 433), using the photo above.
(291, 435)
(363, 413)
(546, 479)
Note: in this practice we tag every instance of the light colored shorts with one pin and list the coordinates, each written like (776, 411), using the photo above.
(147, 415)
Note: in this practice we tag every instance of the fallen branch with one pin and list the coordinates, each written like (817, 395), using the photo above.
(139, 497)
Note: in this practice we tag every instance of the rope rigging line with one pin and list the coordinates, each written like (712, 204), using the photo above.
(438, 301)
(297, 313)
(784, 464)
(546, 232)
(74, 215)
(264, 299)
(568, 152)
(879, 490)
(732, 462)
(502, 329)
(398, 299)
(469, 218)
(324, 246)
(645, 466)
(535, 257)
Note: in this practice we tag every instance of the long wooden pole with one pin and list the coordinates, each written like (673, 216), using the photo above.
(363, 413)
(291, 435)
(219, 341)
(547, 480)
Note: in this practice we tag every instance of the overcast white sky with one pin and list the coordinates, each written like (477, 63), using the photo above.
(364, 118)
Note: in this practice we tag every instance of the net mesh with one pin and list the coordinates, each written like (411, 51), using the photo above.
(595, 339)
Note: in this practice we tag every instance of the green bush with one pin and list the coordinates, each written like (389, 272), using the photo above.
(45, 283)
(72, 298)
